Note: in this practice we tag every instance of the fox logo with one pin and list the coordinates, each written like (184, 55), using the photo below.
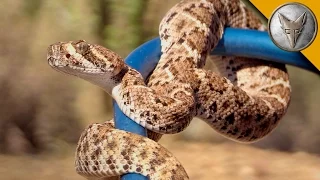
(292, 29)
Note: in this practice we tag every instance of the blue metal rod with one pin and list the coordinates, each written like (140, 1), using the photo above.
(143, 59)
(247, 43)
(257, 44)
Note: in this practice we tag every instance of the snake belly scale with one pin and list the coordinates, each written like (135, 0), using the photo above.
(243, 100)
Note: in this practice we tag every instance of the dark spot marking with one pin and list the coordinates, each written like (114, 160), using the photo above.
(126, 167)
(164, 104)
(154, 116)
(248, 132)
(254, 137)
(112, 166)
(171, 16)
(97, 152)
(276, 117)
(123, 153)
(224, 128)
(165, 66)
(240, 104)
(192, 45)
(189, 8)
(157, 100)
(109, 161)
(213, 106)
(259, 117)
(218, 14)
(211, 87)
(162, 128)
(233, 133)
(120, 75)
(230, 118)
(225, 104)
(126, 158)
(189, 59)
(157, 83)
(196, 90)
(181, 40)
(264, 125)
(235, 130)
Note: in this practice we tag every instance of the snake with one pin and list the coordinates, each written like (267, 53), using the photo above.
(243, 100)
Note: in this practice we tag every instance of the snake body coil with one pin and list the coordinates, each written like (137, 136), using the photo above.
(244, 100)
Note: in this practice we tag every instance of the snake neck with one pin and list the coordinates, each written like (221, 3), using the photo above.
(108, 83)
(125, 79)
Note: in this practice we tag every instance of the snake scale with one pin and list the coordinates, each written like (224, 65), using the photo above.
(244, 100)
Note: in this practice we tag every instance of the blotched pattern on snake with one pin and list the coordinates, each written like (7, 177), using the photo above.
(243, 100)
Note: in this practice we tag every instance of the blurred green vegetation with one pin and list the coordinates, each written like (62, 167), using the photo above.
(42, 110)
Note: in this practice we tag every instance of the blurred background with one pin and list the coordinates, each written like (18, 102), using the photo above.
(43, 112)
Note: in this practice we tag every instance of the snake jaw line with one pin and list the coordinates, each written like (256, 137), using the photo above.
(88, 62)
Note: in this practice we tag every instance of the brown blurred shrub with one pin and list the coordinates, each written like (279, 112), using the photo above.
(31, 118)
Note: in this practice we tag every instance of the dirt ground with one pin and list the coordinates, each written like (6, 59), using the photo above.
(202, 161)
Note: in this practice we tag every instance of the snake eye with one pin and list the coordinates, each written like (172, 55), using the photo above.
(68, 56)
(82, 46)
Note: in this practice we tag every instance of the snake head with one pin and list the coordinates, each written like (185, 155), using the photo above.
(93, 63)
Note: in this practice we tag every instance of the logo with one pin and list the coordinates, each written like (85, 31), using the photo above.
(292, 27)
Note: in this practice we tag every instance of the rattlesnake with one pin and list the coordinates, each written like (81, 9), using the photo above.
(244, 101)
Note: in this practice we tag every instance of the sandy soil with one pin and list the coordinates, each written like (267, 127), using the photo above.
(228, 161)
